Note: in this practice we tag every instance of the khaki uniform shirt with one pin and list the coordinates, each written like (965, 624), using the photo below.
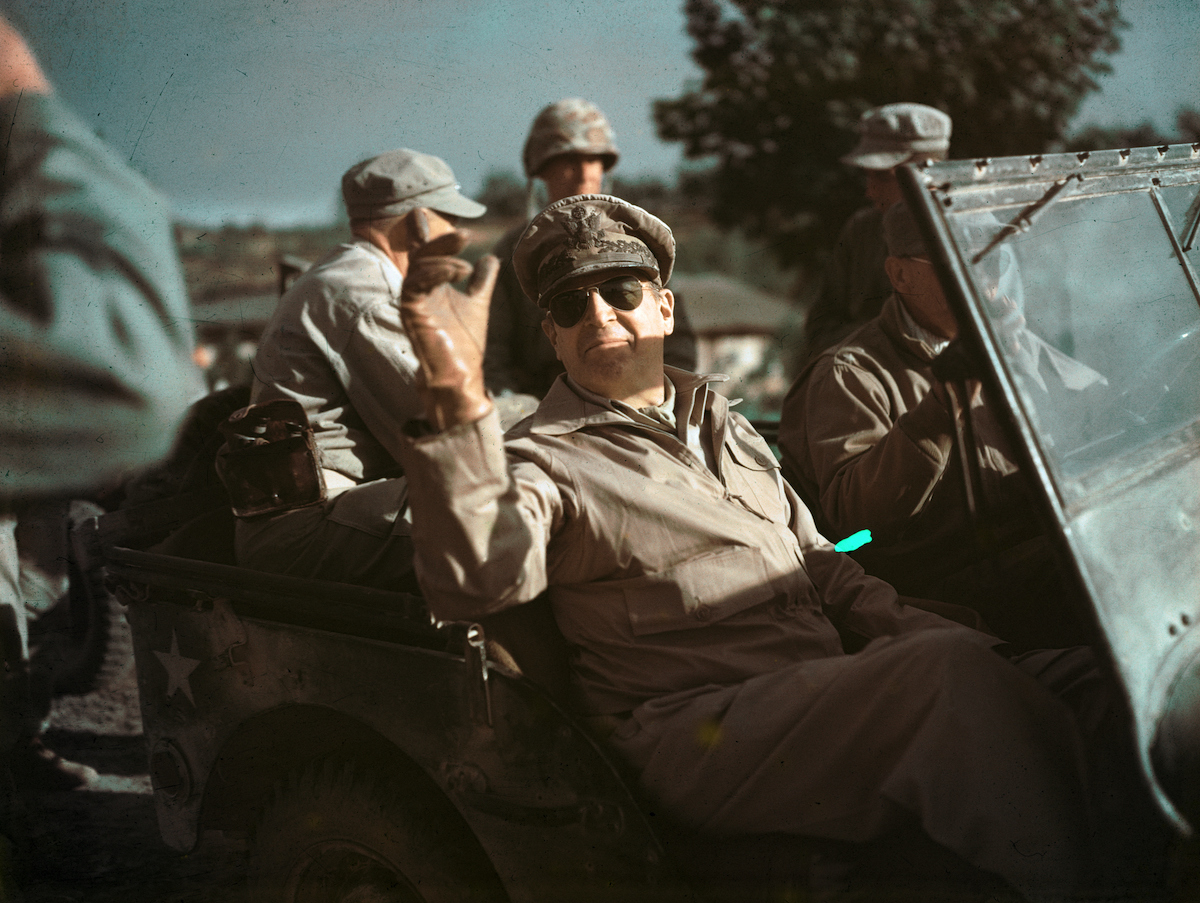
(336, 345)
(663, 574)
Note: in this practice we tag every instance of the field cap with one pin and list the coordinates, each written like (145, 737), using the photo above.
(571, 126)
(590, 233)
(394, 183)
(902, 234)
(892, 134)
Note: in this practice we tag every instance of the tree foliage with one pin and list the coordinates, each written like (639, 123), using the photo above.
(786, 81)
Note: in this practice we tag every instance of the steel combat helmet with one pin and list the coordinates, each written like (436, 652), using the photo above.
(571, 126)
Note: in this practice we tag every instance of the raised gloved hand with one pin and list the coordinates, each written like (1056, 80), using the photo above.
(448, 328)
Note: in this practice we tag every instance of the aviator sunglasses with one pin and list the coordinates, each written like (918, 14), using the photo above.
(620, 294)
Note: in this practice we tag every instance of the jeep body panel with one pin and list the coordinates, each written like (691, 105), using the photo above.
(236, 679)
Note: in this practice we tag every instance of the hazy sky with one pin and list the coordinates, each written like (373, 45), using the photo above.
(252, 109)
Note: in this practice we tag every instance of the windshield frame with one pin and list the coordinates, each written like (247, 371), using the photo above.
(1146, 618)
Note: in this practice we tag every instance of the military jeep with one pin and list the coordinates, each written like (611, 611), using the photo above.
(369, 753)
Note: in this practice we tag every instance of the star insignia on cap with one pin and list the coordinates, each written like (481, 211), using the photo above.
(179, 669)
(583, 228)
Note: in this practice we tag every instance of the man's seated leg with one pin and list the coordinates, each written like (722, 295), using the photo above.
(23, 757)
(1133, 841)
(361, 535)
(934, 725)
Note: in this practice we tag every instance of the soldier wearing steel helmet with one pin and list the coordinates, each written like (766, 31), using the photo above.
(570, 147)
(855, 284)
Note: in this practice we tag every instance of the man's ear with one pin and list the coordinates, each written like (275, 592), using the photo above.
(897, 273)
(551, 332)
(666, 305)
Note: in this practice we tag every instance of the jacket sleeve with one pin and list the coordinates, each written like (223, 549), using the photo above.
(482, 519)
(871, 472)
(95, 331)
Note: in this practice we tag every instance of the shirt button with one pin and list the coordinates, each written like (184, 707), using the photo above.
(703, 613)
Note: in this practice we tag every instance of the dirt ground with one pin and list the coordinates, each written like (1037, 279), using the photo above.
(100, 843)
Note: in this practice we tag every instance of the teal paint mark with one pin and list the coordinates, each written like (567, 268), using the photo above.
(853, 541)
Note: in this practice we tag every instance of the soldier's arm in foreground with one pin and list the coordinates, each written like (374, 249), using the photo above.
(95, 336)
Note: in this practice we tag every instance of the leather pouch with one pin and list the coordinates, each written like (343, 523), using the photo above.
(269, 460)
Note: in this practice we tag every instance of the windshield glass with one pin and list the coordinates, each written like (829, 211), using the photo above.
(1096, 319)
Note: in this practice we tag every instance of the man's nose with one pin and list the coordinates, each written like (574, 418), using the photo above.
(598, 310)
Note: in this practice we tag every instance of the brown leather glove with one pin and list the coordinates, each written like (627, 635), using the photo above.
(448, 329)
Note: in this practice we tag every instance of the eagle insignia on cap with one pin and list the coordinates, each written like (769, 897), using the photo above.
(583, 228)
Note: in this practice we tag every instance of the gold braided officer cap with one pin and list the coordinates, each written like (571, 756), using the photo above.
(590, 233)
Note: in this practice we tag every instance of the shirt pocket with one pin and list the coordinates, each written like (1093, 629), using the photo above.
(754, 477)
(699, 591)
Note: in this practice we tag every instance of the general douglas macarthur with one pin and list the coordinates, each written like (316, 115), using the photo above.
(698, 598)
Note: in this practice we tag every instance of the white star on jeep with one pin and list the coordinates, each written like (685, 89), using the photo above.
(178, 668)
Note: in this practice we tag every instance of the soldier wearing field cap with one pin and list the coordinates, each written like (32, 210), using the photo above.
(570, 148)
(855, 285)
(703, 611)
(869, 438)
(336, 346)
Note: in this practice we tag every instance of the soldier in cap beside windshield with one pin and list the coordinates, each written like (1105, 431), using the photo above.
(703, 611)
(868, 438)
(569, 149)
(336, 346)
(855, 285)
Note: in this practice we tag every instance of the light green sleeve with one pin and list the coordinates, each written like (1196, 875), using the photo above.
(95, 328)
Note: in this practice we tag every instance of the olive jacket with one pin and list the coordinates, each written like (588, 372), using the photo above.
(869, 446)
(663, 575)
(854, 287)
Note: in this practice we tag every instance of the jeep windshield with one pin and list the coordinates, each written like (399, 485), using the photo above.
(1074, 278)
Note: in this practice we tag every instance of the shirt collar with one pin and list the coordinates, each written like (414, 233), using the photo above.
(660, 416)
(935, 343)
(568, 406)
(391, 272)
